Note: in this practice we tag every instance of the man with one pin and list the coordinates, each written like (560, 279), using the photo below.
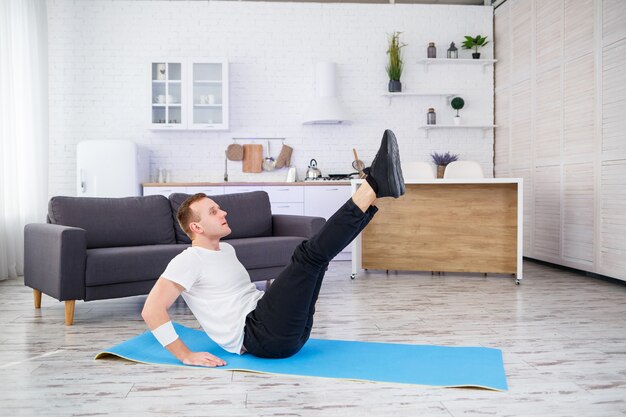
(217, 288)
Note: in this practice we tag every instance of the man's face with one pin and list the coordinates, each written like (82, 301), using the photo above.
(212, 219)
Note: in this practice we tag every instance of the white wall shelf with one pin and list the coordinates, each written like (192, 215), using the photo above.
(417, 94)
(459, 61)
(429, 127)
(447, 95)
(484, 128)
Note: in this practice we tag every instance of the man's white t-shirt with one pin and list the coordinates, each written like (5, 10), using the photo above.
(218, 291)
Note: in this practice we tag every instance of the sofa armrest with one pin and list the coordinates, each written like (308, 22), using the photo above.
(289, 225)
(54, 260)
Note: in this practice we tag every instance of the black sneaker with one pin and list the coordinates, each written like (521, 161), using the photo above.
(385, 170)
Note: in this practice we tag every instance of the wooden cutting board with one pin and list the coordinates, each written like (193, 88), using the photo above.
(252, 158)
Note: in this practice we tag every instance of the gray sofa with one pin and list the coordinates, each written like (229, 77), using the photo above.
(99, 248)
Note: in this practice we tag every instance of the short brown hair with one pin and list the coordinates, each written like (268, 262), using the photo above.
(186, 215)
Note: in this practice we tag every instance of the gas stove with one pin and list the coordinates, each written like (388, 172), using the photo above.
(332, 177)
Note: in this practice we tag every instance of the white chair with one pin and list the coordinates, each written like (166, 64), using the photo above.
(417, 170)
(463, 169)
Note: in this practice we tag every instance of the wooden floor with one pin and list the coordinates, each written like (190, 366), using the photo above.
(563, 337)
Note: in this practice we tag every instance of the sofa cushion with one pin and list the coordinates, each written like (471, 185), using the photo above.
(249, 214)
(109, 222)
(107, 266)
(265, 252)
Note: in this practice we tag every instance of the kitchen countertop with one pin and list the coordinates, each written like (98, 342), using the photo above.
(457, 181)
(326, 183)
(244, 184)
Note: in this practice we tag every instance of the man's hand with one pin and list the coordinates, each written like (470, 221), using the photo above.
(203, 359)
(161, 297)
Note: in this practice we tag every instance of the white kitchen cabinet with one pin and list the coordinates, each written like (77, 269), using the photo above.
(209, 191)
(323, 201)
(165, 191)
(285, 194)
(209, 95)
(314, 200)
(283, 199)
(286, 199)
(189, 94)
(167, 94)
(295, 209)
(233, 189)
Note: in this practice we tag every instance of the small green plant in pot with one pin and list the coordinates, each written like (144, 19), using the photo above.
(475, 43)
(457, 104)
(441, 160)
(395, 65)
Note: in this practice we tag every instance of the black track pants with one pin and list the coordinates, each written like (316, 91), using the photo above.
(281, 323)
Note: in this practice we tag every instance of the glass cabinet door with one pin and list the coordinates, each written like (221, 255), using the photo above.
(188, 94)
(167, 95)
(209, 95)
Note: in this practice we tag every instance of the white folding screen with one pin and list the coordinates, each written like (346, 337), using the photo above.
(560, 91)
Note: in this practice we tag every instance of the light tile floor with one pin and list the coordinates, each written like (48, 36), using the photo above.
(563, 337)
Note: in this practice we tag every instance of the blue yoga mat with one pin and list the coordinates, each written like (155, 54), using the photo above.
(365, 361)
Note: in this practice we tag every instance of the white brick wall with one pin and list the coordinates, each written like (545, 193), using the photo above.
(99, 50)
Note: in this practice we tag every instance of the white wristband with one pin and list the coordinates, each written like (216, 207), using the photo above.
(165, 333)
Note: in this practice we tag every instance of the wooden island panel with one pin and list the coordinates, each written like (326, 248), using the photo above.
(447, 228)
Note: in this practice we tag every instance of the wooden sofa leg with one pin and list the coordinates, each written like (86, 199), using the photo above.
(69, 312)
(37, 297)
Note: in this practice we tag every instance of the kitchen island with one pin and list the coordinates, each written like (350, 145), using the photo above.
(446, 225)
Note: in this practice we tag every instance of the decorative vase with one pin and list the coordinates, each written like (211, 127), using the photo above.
(476, 55)
(395, 86)
(457, 120)
(431, 51)
(431, 117)
(440, 170)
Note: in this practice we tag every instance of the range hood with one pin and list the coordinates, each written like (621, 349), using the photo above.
(325, 108)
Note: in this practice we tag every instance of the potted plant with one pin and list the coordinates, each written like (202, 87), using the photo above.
(475, 43)
(395, 65)
(457, 104)
(441, 160)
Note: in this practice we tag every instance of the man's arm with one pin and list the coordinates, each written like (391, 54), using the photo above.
(154, 313)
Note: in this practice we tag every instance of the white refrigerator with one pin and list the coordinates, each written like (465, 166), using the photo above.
(110, 168)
